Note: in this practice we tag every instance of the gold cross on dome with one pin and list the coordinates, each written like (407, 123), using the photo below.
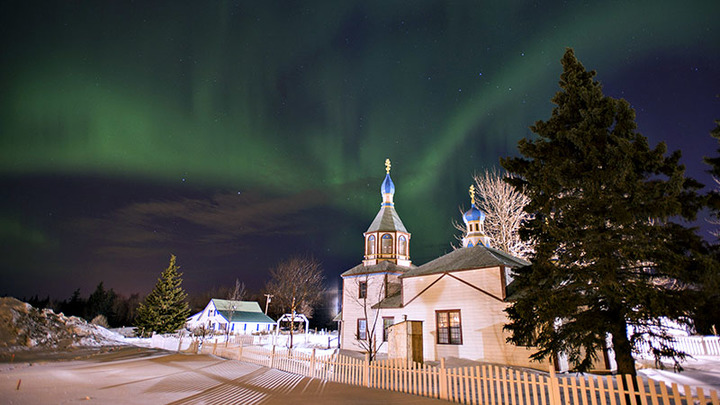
(472, 194)
(387, 166)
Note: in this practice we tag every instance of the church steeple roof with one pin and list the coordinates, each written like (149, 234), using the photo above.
(473, 214)
(474, 219)
(387, 219)
(387, 239)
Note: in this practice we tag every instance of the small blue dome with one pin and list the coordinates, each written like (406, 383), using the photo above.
(387, 186)
(473, 214)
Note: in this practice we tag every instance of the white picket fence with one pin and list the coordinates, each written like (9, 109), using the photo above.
(484, 384)
(698, 345)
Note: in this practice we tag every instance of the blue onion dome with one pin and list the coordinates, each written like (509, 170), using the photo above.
(387, 186)
(473, 214)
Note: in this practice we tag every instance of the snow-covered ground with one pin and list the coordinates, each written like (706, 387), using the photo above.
(24, 328)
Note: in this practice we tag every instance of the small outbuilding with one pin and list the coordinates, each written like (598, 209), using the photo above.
(240, 317)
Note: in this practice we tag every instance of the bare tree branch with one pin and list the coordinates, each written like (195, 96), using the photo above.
(504, 207)
(297, 286)
(370, 343)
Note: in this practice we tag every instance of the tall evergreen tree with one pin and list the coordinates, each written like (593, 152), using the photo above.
(609, 258)
(101, 302)
(707, 316)
(165, 309)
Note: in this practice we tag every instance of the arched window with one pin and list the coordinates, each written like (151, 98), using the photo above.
(402, 245)
(370, 245)
(387, 244)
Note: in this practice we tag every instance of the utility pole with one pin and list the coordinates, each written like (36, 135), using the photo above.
(267, 302)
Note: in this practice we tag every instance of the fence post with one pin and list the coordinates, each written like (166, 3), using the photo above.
(366, 370)
(311, 372)
(443, 380)
(272, 358)
(240, 350)
(554, 385)
(214, 347)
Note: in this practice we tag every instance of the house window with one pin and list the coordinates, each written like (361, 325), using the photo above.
(387, 244)
(402, 245)
(449, 327)
(370, 249)
(387, 322)
(362, 289)
(362, 329)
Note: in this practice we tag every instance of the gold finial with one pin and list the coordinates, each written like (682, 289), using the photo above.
(387, 166)
(472, 194)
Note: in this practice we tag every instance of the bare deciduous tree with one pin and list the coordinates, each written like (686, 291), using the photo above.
(297, 286)
(504, 207)
(238, 292)
(375, 290)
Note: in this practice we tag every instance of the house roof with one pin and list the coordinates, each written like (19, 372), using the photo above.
(245, 306)
(467, 258)
(245, 316)
(387, 219)
(382, 267)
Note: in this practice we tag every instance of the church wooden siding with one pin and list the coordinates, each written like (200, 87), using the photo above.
(478, 295)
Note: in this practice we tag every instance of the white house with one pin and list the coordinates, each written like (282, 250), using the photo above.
(242, 317)
(459, 297)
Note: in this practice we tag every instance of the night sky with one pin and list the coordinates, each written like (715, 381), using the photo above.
(236, 134)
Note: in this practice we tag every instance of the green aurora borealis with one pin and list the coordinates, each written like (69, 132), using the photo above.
(292, 108)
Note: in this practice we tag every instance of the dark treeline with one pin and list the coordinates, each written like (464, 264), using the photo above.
(104, 307)
(111, 309)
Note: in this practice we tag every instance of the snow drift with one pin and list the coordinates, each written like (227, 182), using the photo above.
(23, 326)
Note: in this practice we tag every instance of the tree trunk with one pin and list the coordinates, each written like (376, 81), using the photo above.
(292, 321)
(623, 349)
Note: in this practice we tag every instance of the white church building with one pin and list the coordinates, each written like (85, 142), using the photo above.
(459, 298)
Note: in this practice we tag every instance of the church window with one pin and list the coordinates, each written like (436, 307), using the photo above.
(370, 245)
(387, 244)
(387, 323)
(362, 289)
(402, 245)
(470, 244)
(449, 327)
(362, 329)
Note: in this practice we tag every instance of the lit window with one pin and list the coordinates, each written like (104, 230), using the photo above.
(387, 244)
(387, 322)
(362, 289)
(449, 327)
(362, 329)
(370, 245)
(402, 248)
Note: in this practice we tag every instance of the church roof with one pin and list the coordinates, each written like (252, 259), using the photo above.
(391, 301)
(382, 267)
(387, 219)
(468, 258)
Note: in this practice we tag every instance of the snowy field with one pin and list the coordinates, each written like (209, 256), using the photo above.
(39, 336)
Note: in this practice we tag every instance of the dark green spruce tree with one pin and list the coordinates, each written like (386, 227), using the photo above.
(707, 317)
(610, 249)
(165, 309)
